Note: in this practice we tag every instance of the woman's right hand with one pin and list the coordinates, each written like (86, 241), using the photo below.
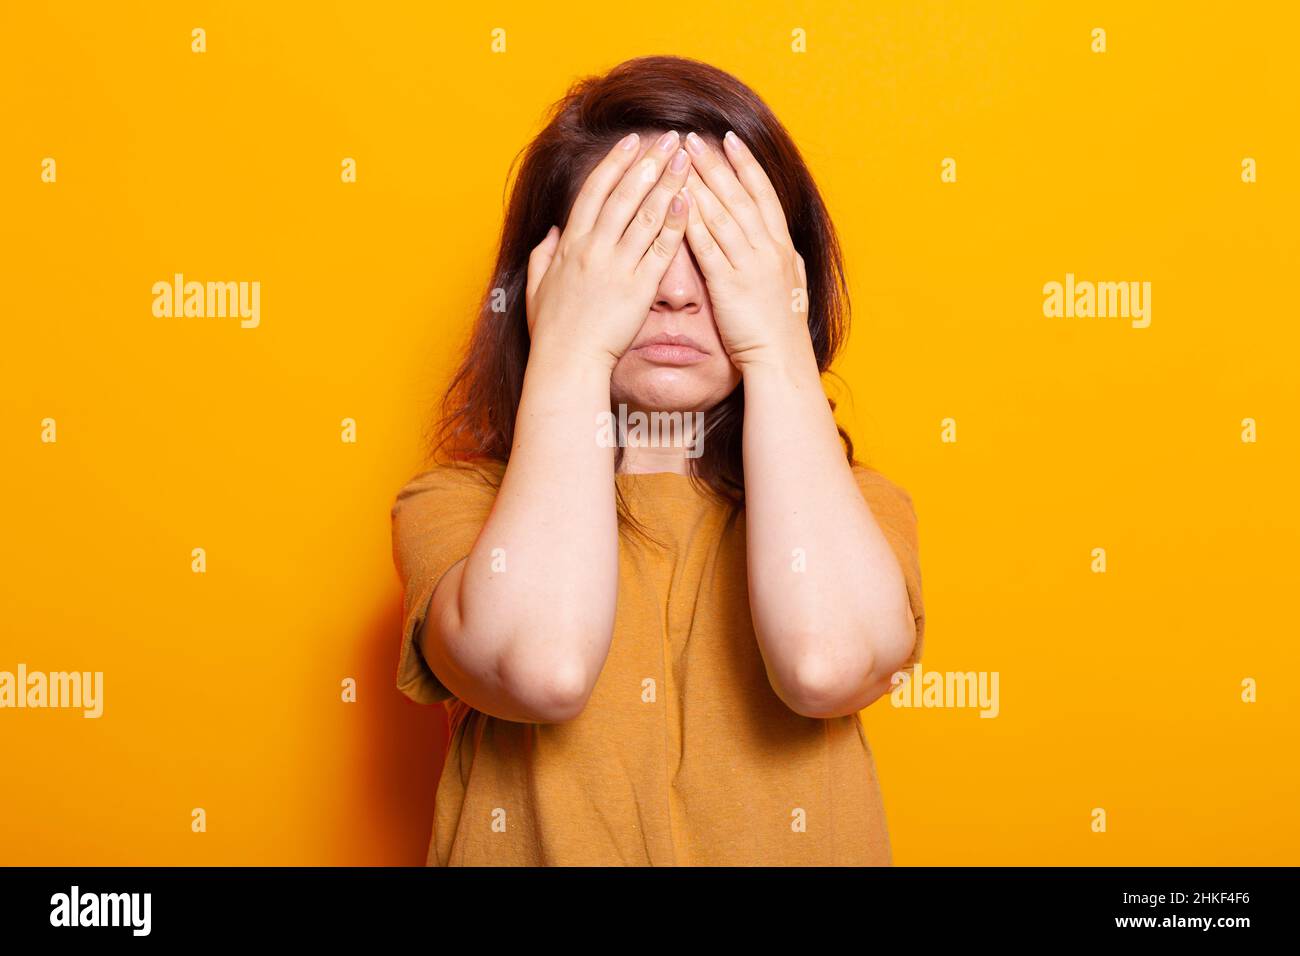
(591, 287)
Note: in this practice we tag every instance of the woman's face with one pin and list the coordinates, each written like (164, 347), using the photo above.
(676, 362)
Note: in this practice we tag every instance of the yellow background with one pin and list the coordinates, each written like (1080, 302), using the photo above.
(1118, 690)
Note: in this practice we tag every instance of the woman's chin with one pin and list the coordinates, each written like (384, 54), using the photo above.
(663, 396)
(670, 389)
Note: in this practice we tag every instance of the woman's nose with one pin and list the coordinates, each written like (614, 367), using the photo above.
(682, 287)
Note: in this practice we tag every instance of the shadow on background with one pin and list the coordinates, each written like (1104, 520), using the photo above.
(405, 743)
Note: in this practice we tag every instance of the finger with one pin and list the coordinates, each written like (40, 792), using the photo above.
(712, 260)
(755, 181)
(655, 262)
(633, 187)
(646, 225)
(539, 260)
(721, 179)
(726, 232)
(600, 182)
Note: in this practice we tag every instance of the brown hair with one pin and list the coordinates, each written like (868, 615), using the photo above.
(649, 93)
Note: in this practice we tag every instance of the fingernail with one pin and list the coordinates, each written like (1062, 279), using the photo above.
(679, 161)
(667, 140)
(628, 141)
(694, 143)
(675, 207)
(732, 140)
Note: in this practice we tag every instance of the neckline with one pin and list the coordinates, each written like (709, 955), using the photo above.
(651, 474)
(656, 480)
(657, 484)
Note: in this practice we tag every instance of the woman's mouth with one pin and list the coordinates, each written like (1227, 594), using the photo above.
(665, 349)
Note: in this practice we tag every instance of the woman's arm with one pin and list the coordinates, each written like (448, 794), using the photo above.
(828, 598)
(521, 628)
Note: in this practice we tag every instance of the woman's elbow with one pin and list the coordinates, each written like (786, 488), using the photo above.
(549, 690)
(525, 675)
(823, 687)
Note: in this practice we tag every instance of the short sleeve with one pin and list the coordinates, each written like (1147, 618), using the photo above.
(894, 512)
(436, 519)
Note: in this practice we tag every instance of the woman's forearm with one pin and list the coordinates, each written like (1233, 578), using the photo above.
(533, 611)
(526, 623)
(828, 597)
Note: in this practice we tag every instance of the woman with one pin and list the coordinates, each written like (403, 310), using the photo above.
(654, 653)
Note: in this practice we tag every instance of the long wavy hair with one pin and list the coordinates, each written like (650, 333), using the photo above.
(477, 418)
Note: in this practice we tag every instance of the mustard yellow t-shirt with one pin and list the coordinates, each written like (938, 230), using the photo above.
(684, 755)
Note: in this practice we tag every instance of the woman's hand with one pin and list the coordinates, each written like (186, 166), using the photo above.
(737, 230)
(591, 288)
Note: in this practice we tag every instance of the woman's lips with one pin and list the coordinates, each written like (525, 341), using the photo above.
(671, 354)
(671, 350)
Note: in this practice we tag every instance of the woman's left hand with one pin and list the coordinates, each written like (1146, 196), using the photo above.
(737, 230)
